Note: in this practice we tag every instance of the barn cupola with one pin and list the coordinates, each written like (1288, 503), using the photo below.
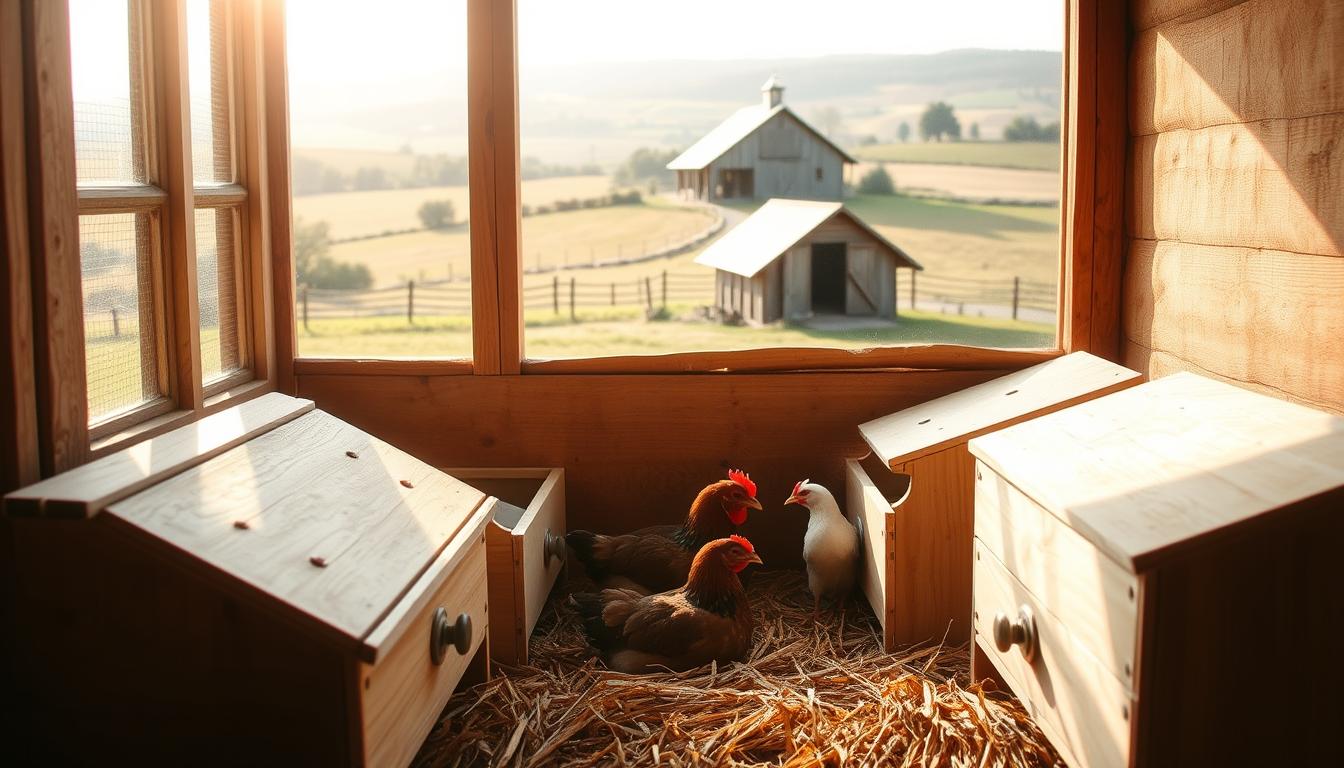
(772, 93)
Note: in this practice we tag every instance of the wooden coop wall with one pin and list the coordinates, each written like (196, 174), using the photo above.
(1235, 262)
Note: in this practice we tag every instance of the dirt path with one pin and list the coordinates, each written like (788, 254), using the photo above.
(971, 182)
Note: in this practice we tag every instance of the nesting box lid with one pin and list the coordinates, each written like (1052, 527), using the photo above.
(930, 427)
(310, 517)
(1150, 472)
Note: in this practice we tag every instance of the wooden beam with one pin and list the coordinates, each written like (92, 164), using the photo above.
(274, 73)
(793, 359)
(254, 177)
(53, 223)
(169, 21)
(18, 390)
(492, 127)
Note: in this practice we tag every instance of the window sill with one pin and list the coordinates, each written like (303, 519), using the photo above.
(171, 420)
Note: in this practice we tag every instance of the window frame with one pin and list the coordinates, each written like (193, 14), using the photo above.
(1091, 210)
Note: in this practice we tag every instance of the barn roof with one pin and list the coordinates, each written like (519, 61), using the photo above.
(737, 127)
(776, 227)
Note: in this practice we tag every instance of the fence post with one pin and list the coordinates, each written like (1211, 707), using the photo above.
(410, 301)
(555, 292)
(1016, 284)
(648, 291)
(613, 294)
(912, 288)
(664, 289)
(116, 325)
(573, 316)
(304, 294)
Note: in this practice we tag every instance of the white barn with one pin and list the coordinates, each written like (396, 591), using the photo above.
(762, 151)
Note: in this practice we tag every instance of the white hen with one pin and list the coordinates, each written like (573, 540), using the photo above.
(830, 546)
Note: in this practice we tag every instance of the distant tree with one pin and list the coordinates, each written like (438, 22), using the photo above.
(436, 214)
(406, 149)
(1025, 128)
(371, 177)
(311, 177)
(644, 165)
(938, 121)
(313, 264)
(903, 132)
(975, 131)
(877, 182)
(330, 273)
(868, 140)
(1050, 132)
(828, 119)
(332, 180)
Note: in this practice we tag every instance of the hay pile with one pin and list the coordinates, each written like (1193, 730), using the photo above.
(808, 695)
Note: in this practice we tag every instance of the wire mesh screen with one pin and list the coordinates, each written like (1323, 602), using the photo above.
(119, 337)
(207, 61)
(217, 291)
(101, 56)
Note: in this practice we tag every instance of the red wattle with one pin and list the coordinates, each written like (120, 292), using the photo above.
(737, 567)
(738, 515)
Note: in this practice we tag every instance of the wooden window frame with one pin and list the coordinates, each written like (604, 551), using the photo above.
(1092, 179)
(39, 155)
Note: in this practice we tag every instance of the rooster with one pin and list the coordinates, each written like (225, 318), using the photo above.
(830, 546)
(707, 619)
(657, 559)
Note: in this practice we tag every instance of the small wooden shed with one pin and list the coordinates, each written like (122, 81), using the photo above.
(793, 259)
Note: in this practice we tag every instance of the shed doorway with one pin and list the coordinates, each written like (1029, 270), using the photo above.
(735, 183)
(828, 278)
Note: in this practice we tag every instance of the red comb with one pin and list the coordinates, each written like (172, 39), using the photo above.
(743, 541)
(740, 477)
(798, 486)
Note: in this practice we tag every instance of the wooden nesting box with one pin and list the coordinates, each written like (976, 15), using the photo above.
(917, 524)
(525, 550)
(1156, 575)
(269, 583)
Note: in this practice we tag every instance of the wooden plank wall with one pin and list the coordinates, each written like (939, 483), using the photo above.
(1235, 263)
(636, 448)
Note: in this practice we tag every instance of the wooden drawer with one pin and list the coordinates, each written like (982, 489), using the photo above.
(402, 695)
(1087, 591)
(871, 501)
(1078, 703)
(525, 550)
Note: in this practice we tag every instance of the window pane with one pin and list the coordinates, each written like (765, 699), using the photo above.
(217, 289)
(378, 130)
(119, 329)
(107, 118)
(208, 66)
(926, 136)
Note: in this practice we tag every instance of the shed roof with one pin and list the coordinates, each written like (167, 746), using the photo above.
(775, 228)
(737, 127)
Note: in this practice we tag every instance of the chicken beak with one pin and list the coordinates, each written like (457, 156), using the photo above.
(754, 504)
(752, 557)
(794, 500)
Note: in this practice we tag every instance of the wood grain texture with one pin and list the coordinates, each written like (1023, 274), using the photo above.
(254, 177)
(954, 357)
(87, 490)
(1082, 708)
(1271, 184)
(1087, 591)
(1259, 60)
(278, 192)
(334, 538)
(1269, 318)
(58, 323)
(402, 697)
(932, 426)
(636, 449)
(1146, 14)
(18, 388)
(1162, 468)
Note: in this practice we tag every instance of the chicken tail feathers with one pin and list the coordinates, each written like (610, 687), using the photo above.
(589, 606)
(584, 543)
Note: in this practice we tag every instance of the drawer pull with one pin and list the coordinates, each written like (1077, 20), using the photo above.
(554, 548)
(443, 633)
(1008, 633)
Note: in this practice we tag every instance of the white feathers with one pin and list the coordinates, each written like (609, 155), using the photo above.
(830, 546)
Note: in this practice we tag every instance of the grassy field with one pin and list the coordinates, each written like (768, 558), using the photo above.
(354, 214)
(1036, 156)
(553, 239)
(622, 331)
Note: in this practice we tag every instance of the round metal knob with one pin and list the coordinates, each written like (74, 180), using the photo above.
(443, 633)
(554, 548)
(1021, 632)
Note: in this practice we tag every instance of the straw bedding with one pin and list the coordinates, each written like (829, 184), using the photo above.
(808, 695)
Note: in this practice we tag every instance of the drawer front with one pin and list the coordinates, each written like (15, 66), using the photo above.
(1078, 703)
(525, 558)
(403, 694)
(1086, 590)
(538, 548)
(869, 509)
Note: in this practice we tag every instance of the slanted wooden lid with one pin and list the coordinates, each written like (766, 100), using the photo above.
(1150, 472)
(930, 427)
(316, 519)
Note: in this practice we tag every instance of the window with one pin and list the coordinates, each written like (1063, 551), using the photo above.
(378, 137)
(923, 146)
(135, 235)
